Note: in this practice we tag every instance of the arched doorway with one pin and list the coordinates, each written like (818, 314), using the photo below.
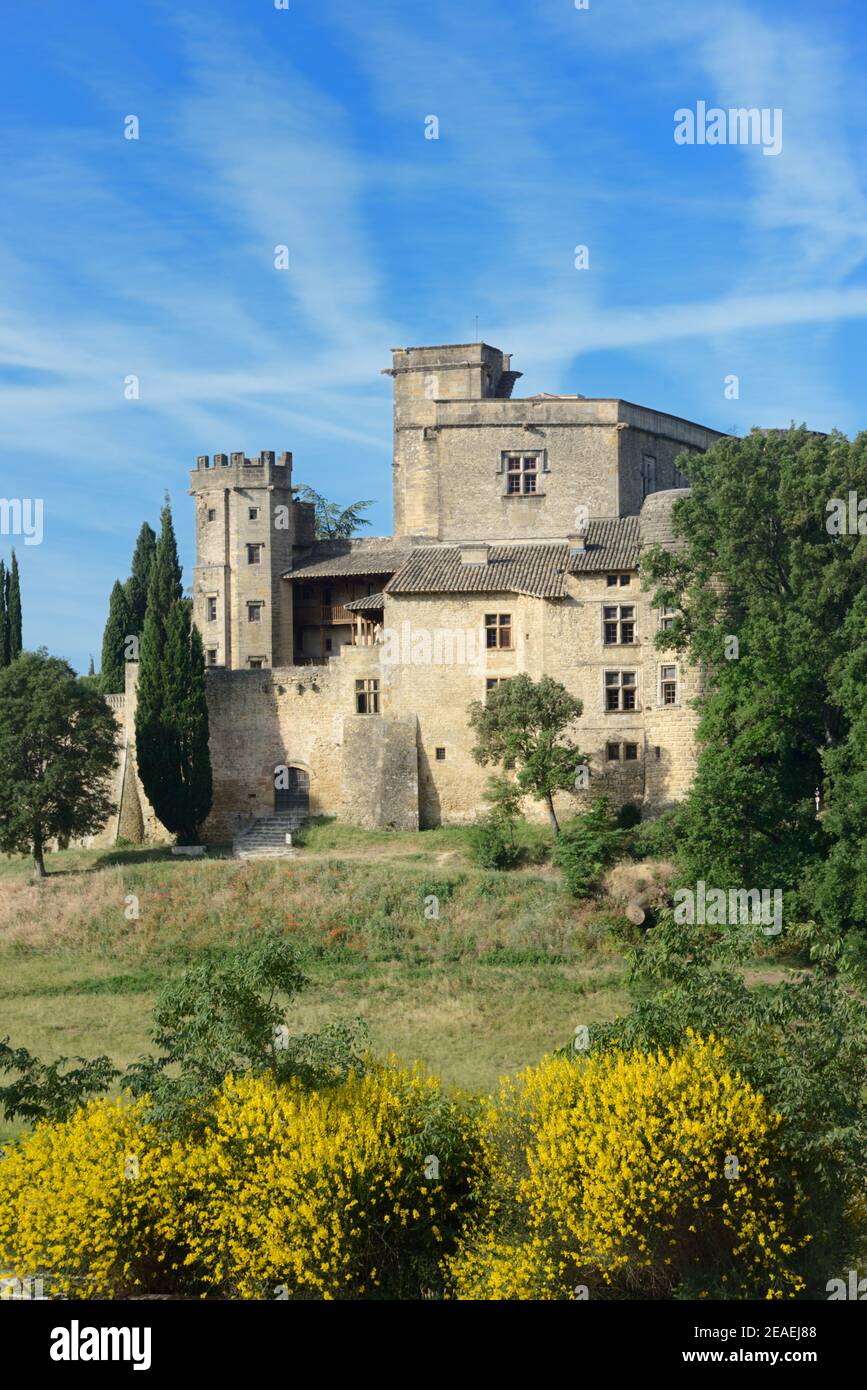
(292, 793)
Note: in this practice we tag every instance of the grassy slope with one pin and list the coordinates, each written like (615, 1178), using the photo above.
(504, 974)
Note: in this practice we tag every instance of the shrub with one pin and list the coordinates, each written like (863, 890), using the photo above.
(492, 846)
(586, 846)
(77, 1205)
(611, 1174)
(628, 816)
(327, 1194)
(658, 838)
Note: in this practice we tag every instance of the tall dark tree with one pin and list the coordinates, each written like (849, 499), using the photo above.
(4, 619)
(139, 579)
(57, 751)
(117, 629)
(13, 609)
(331, 522)
(172, 713)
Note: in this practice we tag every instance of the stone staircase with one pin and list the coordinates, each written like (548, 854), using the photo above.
(266, 837)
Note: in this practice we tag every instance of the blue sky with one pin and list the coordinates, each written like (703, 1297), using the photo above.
(305, 127)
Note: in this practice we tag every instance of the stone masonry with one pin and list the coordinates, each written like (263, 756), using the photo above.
(347, 667)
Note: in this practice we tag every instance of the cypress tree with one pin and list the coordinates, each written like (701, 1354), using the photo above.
(90, 671)
(4, 619)
(172, 715)
(139, 579)
(117, 629)
(13, 609)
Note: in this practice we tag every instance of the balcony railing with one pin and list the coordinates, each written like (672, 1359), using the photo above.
(323, 615)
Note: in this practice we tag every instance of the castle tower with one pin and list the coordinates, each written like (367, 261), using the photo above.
(245, 529)
(423, 376)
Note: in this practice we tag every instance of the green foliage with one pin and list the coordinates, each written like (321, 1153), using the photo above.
(172, 713)
(524, 721)
(48, 1091)
(13, 608)
(658, 838)
(493, 841)
(586, 846)
(492, 846)
(628, 816)
(330, 521)
(758, 563)
(4, 619)
(57, 750)
(139, 580)
(117, 628)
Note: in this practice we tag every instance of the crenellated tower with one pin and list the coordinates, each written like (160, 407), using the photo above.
(246, 524)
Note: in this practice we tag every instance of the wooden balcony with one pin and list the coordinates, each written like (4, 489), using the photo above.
(322, 615)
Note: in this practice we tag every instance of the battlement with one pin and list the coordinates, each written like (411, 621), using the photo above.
(240, 460)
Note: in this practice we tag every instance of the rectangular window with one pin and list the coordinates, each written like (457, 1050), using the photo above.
(440, 755)
(618, 625)
(253, 513)
(211, 609)
(620, 690)
(254, 554)
(615, 581)
(630, 752)
(367, 697)
(612, 752)
(256, 663)
(522, 473)
(648, 475)
(666, 619)
(212, 656)
(212, 514)
(498, 629)
(668, 685)
(254, 612)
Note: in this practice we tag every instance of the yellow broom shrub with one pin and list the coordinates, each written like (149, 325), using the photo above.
(629, 1174)
(321, 1194)
(77, 1203)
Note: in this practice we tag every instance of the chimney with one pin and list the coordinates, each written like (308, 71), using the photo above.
(577, 540)
(475, 553)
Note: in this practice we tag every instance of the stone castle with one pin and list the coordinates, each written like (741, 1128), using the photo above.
(340, 671)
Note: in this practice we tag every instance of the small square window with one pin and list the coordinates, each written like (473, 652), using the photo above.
(212, 514)
(367, 697)
(256, 663)
(253, 513)
(630, 752)
(612, 752)
(498, 630)
(211, 609)
(522, 471)
(254, 612)
(440, 755)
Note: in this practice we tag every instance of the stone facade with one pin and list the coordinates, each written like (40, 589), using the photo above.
(519, 526)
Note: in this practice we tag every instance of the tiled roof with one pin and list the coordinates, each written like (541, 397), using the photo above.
(372, 603)
(610, 545)
(517, 569)
(534, 569)
(331, 559)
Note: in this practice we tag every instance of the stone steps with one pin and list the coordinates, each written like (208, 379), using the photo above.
(266, 838)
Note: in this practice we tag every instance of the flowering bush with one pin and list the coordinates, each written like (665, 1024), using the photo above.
(346, 1192)
(77, 1203)
(630, 1174)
